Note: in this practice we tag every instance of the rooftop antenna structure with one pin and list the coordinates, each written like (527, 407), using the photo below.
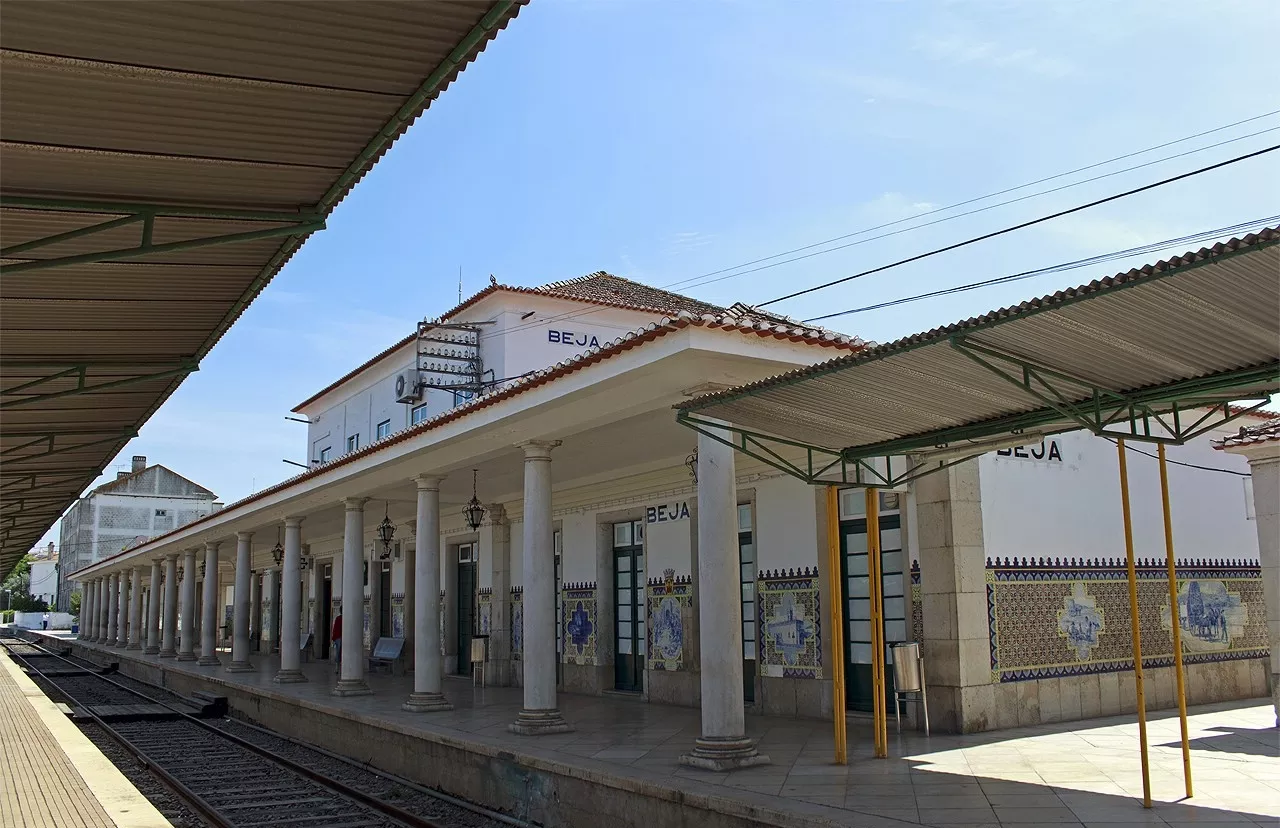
(459, 284)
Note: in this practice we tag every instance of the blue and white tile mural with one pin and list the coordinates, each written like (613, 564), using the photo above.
(1080, 621)
(669, 599)
(789, 633)
(579, 622)
(1210, 614)
(397, 616)
(517, 622)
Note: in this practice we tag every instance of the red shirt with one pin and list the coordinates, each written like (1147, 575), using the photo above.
(336, 632)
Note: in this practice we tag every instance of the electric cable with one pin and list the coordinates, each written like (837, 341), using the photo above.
(1133, 448)
(1023, 225)
(1194, 238)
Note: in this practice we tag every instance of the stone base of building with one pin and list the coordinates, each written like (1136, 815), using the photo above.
(240, 667)
(426, 703)
(539, 723)
(724, 754)
(288, 677)
(185, 657)
(152, 651)
(168, 653)
(351, 687)
(208, 661)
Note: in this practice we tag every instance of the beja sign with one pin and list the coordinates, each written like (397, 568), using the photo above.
(667, 512)
(570, 338)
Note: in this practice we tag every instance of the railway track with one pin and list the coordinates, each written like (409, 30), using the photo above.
(230, 781)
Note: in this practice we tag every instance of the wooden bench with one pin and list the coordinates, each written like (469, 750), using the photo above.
(388, 652)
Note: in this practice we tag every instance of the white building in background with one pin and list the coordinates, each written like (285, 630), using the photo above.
(44, 574)
(139, 504)
(551, 408)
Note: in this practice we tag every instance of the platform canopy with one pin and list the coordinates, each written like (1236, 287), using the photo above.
(1158, 354)
(161, 162)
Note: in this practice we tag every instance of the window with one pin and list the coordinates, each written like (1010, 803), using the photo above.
(384, 428)
(418, 414)
(326, 453)
(467, 553)
(353, 443)
(162, 512)
(460, 397)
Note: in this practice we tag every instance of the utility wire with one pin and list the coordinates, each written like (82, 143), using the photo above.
(1008, 190)
(1058, 268)
(703, 280)
(1129, 447)
(1023, 225)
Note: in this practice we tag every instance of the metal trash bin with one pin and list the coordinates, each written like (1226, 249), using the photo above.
(908, 679)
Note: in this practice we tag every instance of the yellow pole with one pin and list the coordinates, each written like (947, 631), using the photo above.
(835, 582)
(875, 588)
(1175, 621)
(1134, 627)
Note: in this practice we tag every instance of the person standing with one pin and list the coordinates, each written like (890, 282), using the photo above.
(335, 635)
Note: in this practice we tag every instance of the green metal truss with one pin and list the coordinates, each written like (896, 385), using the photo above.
(22, 395)
(289, 223)
(1170, 414)
(48, 443)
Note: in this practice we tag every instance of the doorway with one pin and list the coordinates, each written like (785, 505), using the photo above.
(629, 592)
(326, 611)
(384, 603)
(857, 592)
(557, 541)
(466, 618)
(747, 577)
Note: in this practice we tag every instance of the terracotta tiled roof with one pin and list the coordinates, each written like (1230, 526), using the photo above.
(634, 339)
(1251, 435)
(598, 288)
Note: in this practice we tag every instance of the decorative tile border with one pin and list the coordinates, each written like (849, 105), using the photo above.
(517, 623)
(790, 626)
(397, 616)
(1051, 617)
(579, 623)
(485, 610)
(668, 598)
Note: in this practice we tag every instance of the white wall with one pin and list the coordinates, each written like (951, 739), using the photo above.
(35, 620)
(44, 581)
(786, 524)
(1071, 508)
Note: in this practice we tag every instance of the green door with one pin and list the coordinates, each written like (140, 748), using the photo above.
(857, 598)
(747, 578)
(466, 618)
(629, 608)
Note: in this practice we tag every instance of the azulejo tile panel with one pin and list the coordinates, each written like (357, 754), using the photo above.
(669, 598)
(397, 616)
(1051, 618)
(790, 627)
(917, 604)
(579, 623)
(365, 629)
(485, 610)
(517, 622)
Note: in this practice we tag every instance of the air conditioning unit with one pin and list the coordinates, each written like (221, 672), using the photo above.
(408, 387)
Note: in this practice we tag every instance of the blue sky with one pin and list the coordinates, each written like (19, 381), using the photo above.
(663, 140)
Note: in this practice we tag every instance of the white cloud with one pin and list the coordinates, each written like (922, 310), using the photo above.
(961, 49)
(893, 206)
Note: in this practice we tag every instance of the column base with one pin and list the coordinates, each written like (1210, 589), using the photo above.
(133, 646)
(208, 661)
(167, 653)
(539, 723)
(186, 656)
(151, 651)
(351, 687)
(240, 667)
(288, 677)
(724, 754)
(426, 703)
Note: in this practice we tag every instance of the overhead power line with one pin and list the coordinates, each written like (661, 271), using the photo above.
(1194, 238)
(1023, 225)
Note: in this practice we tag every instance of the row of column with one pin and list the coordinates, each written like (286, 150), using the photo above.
(723, 743)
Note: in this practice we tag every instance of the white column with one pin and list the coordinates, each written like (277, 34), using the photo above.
(351, 681)
(106, 632)
(169, 621)
(724, 744)
(126, 595)
(270, 579)
(290, 671)
(113, 608)
(243, 605)
(153, 610)
(410, 554)
(209, 610)
(255, 609)
(135, 609)
(187, 633)
(86, 611)
(540, 714)
(428, 670)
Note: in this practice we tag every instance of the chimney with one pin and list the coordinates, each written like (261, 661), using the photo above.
(216, 506)
(121, 474)
(139, 463)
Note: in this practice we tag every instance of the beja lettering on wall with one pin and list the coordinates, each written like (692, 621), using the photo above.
(571, 338)
(1046, 450)
(667, 512)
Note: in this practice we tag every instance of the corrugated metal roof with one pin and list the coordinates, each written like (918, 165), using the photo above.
(223, 109)
(1196, 316)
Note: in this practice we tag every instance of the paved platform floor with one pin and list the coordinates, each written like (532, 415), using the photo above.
(51, 775)
(1077, 773)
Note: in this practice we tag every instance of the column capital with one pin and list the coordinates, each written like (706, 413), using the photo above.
(293, 522)
(354, 504)
(495, 514)
(429, 482)
(244, 536)
(171, 556)
(538, 449)
(211, 546)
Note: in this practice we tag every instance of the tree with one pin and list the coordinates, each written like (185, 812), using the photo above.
(18, 586)
(75, 603)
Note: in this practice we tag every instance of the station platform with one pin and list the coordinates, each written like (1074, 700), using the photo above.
(619, 767)
(51, 775)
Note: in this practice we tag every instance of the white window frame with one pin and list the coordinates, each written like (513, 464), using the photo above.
(417, 414)
(383, 429)
(353, 442)
(326, 453)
